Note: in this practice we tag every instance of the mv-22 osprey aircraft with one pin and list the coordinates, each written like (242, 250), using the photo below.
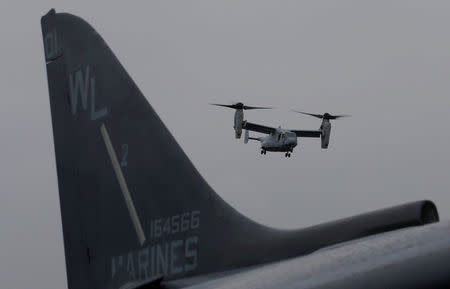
(279, 139)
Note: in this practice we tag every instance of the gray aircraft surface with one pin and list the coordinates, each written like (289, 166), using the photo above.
(277, 139)
(137, 214)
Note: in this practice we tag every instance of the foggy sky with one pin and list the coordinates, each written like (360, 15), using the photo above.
(387, 63)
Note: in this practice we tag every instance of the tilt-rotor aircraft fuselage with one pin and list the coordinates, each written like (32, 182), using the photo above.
(137, 214)
(278, 139)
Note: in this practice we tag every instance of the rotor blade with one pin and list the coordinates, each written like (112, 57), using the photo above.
(311, 114)
(338, 116)
(240, 105)
(246, 107)
(324, 116)
(225, 105)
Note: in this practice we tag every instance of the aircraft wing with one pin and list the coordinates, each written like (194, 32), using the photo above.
(257, 127)
(417, 257)
(307, 133)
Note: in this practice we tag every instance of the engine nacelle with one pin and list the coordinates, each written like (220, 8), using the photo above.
(325, 135)
(238, 119)
(246, 136)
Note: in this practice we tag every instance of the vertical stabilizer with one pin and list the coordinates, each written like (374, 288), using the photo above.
(133, 205)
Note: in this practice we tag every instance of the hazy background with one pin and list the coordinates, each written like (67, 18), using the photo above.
(387, 63)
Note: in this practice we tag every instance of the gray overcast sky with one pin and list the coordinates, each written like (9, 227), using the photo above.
(387, 63)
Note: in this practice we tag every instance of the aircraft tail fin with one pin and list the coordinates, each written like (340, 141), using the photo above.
(132, 203)
(133, 206)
